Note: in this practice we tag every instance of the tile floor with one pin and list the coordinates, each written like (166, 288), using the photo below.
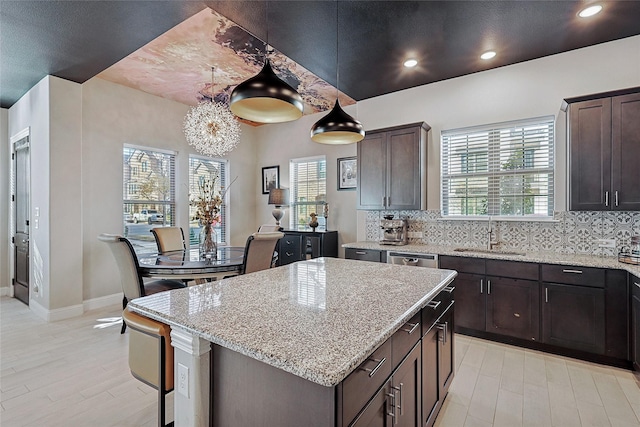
(74, 373)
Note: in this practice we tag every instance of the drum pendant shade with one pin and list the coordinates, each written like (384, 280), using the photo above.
(337, 127)
(265, 98)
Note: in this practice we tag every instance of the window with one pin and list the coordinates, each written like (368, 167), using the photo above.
(308, 192)
(200, 169)
(504, 169)
(149, 198)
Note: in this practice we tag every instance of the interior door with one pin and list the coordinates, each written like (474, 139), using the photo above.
(21, 199)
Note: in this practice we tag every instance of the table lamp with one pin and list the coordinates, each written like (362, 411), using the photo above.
(278, 197)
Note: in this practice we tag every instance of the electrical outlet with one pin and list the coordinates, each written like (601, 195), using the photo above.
(606, 243)
(183, 380)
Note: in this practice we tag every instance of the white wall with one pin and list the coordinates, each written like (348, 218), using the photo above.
(5, 156)
(114, 115)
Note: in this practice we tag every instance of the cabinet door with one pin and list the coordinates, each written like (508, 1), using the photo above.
(372, 158)
(635, 331)
(430, 384)
(617, 314)
(470, 301)
(290, 249)
(364, 254)
(513, 307)
(403, 169)
(573, 317)
(590, 155)
(625, 133)
(376, 413)
(446, 354)
(406, 391)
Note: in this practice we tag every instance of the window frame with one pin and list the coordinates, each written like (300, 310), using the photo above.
(500, 141)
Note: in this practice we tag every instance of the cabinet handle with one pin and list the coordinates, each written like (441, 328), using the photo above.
(384, 199)
(443, 328)
(616, 197)
(546, 294)
(606, 198)
(449, 289)
(572, 271)
(400, 405)
(433, 304)
(637, 284)
(392, 395)
(288, 253)
(413, 328)
(488, 287)
(481, 284)
(289, 242)
(373, 371)
(361, 252)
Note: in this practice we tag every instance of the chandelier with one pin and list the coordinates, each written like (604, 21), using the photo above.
(211, 128)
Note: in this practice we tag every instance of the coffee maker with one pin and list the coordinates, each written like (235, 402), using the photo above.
(393, 231)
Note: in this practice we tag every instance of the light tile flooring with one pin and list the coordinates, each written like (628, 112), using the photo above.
(502, 385)
(75, 373)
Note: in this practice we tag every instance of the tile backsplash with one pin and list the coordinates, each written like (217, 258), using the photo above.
(568, 233)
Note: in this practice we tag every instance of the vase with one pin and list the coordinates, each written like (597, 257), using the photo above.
(208, 245)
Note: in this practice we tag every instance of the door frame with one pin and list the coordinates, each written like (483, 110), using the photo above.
(24, 133)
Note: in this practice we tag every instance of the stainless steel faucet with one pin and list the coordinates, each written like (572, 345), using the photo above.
(490, 242)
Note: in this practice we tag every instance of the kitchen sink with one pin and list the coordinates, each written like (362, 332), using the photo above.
(489, 251)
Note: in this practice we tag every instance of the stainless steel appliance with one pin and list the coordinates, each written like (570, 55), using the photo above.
(414, 259)
(393, 231)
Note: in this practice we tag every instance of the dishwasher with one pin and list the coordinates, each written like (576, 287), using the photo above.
(413, 259)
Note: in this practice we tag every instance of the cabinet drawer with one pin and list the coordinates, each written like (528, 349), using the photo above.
(404, 339)
(364, 254)
(572, 275)
(462, 264)
(635, 286)
(436, 307)
(514, 269)
(365, 380)
(290, 249)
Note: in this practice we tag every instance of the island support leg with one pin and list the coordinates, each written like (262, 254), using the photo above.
(191, 399)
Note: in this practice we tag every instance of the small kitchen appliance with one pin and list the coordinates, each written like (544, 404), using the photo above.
(393, 231)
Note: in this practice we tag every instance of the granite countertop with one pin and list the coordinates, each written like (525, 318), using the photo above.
(538, 257)
(317, 319)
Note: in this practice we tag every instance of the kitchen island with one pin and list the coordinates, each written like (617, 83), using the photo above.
(274, 347)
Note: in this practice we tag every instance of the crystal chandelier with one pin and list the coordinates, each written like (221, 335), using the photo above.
(211, 128)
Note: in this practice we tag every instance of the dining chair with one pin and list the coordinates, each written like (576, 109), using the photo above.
(151, 356)
(259, 252)
(132, 284)
(169, 239)
(269, 228)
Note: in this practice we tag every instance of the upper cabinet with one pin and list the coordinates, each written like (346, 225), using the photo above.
(392, 168)
(604, 141)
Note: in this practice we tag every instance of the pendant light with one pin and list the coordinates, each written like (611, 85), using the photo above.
(265, 98)
(337, 127)
(211, 128)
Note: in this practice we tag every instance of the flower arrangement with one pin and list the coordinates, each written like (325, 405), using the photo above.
(208, 203)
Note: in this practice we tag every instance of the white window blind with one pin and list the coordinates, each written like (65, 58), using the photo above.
(505, 169)
(200, 169)
(308, 191)
(149, 185)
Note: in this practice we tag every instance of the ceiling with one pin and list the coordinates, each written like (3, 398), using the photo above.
(76, 40)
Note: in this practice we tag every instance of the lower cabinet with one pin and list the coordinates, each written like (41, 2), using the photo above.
(635, 322)
(470, 301)
(513, 307)
(365, 254)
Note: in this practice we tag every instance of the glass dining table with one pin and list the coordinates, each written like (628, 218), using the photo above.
(187, 265)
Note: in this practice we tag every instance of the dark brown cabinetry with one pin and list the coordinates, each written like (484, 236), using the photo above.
(507, 304)
(604, 153)
(392, 168)
(573, 310)
(301, 245)
(365, 254)
(635, 322)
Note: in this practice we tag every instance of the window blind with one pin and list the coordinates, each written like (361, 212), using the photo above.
(148, 184)
(200, 169)
(505, 169)
(308, 191)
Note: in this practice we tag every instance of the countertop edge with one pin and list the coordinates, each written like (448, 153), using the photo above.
(531, 256)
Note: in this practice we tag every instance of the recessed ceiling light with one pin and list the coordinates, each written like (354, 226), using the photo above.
(590, 11)
(488, 55)
(410, 63)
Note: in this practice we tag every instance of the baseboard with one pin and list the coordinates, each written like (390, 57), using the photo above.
(101, 302)
(5, 291)
(57, 314)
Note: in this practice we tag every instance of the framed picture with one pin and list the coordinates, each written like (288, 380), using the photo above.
(270, 178)
(347, 173)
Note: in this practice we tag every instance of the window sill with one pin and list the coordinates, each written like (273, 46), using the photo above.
(499, 218)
